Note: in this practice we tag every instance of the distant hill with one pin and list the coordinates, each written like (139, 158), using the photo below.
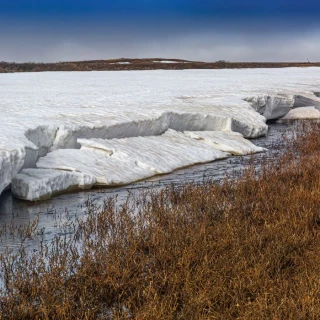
(142, 64)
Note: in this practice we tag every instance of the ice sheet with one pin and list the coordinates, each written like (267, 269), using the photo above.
(51, 110)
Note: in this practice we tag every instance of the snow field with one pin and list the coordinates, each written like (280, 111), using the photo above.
(55, 121)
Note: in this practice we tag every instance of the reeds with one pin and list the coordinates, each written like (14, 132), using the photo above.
(243, 249)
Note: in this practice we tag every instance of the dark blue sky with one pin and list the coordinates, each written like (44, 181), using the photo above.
(247, 30)
(147, 7)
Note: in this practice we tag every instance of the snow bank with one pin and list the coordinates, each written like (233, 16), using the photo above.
(121, 161)
(302, 113)
(107, 170)
(50, 111)
(248, 123)
(41, 184)
(160, 154)
(277, 106)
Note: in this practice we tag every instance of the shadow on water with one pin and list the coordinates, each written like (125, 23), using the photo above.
(55, 213)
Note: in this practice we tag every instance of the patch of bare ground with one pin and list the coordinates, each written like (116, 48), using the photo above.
(142, 64)
(248, 248)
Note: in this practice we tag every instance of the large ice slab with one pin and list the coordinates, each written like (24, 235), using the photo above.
(272, 107)
(42, 112)
(202, 116)
(160, 154)
(40, 184)
(10, 164)
(278, 105)
(105, 169)
(121, 161)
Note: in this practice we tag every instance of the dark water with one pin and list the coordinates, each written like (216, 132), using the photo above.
(56, 215)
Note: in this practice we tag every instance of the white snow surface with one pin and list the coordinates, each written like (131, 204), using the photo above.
(159, 154)
(41, 184)
(302, 113)
(45, 112)
(231, 142)
(121, 161)
(121, 62)
(169, 61)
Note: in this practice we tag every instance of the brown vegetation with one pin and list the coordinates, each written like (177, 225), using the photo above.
(142, 64)
(244, 249)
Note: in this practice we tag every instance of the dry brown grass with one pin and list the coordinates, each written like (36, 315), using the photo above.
(142, 64)
(245, 249)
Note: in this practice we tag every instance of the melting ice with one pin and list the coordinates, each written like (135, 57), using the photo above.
(64, 131)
